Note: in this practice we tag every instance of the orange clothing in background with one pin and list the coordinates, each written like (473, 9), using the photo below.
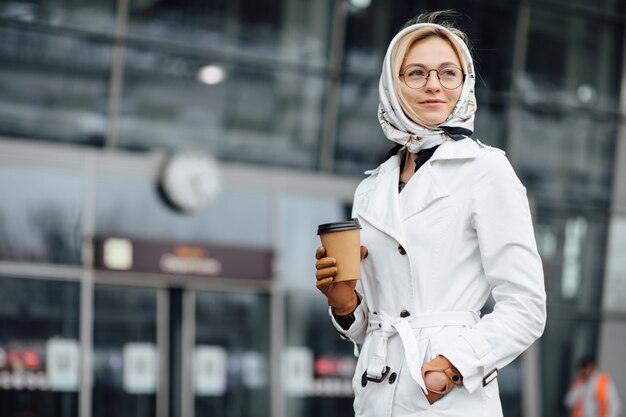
(595, 397)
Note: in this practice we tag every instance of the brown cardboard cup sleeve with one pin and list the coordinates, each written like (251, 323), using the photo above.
(342, 241)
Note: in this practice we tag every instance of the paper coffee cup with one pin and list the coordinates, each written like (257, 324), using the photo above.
(342, 241)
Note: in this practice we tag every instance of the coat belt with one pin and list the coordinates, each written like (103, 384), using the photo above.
(383, 327)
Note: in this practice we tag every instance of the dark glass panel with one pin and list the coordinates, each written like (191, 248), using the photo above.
(234, 327)
(572, 60)
(572, 243)
(294, 31)
(320, 365)
(125, 353)
(250, 115)
(361, 144)
(564, 155)
(93, 15)
(33, 316)
(53, 87)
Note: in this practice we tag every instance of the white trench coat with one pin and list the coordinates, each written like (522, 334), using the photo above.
(459, 230)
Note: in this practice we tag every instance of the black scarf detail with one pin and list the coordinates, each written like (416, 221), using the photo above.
(456, 133)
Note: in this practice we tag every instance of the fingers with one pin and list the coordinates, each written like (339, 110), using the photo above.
(325, 263)
(321, 283)
(325, 266)
(326, 273)
(363, 252)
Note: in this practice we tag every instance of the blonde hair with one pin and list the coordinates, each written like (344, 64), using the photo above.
(402, 47)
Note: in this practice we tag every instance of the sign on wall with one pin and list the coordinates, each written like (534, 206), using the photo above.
(210, 365)
(140, 372)
(62, 364)
(132, 255)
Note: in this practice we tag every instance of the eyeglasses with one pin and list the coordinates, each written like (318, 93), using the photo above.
(450, 77)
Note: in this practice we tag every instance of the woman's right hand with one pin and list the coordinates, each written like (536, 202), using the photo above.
(341, 295)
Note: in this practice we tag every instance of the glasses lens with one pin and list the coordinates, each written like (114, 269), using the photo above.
(415, 77)
(451, 77)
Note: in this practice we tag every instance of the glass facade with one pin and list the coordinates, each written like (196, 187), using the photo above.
(40, 217)
(54, 85)
(231, 355)
(124, 351)
(311, 344)
(39, 324)
(280, 89)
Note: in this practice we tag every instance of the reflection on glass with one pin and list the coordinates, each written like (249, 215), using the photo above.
(565, 156)
(490, 122)
(252, 115)
(39, 369)
(361, 144)
(54, 87)
(125, 354)
(231, 356)
(291, 30)
(572, 61)
(318, 365)
(40, 215)
(93, 15)
(572, 245)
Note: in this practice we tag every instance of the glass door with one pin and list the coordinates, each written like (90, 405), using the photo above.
(39, 348)
(125, 351)
(230, 354)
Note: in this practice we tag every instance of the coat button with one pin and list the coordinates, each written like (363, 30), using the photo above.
(404, 313)
(401, 250)
(392, 377)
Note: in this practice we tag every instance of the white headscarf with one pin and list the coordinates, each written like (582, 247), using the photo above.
(401, 129)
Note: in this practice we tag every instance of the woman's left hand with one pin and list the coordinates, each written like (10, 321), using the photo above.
(436, 380)
(440, 376)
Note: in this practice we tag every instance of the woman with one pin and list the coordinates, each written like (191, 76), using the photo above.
(445, 224)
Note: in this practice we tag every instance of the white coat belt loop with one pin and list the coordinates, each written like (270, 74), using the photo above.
(383, 327)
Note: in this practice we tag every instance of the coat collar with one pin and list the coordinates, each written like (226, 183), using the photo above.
(385, 209)
(462, 149)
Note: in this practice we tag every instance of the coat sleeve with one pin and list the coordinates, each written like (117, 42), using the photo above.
(356, 332)
(500, 216)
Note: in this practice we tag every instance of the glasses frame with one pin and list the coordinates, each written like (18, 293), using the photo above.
(438, 78)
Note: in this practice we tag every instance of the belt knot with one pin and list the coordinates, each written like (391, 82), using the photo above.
(382, 327)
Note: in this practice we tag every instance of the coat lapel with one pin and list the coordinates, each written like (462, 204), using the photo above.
(379, 204)
(427, 185)
(385, 209)
(423, 189)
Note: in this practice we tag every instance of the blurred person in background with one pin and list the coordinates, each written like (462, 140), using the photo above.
(445, 223)
(592, 393)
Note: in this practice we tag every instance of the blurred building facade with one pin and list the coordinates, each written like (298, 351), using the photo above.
(96, 95)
